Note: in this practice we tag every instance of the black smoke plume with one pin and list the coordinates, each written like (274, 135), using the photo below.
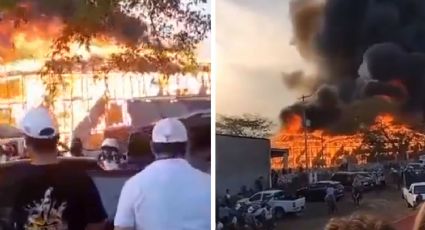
(385, 37)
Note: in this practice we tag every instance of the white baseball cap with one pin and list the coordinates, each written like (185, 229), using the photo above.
(169, 130)
(39, 123)
(110, 142)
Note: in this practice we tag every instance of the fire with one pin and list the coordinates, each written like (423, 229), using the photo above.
(324, 150)
(25, 48)
(386, 119)
(293, 124)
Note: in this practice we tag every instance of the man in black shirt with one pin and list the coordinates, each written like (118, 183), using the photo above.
(49, 196)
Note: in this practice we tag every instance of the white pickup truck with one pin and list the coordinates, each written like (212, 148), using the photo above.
(278, 201)
(411, 194)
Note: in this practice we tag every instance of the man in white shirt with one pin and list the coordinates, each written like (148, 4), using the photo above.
(169, 193)
(330, 191)
(330, 199)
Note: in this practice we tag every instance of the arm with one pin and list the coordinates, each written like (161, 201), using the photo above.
(94, 212)
(125, 218)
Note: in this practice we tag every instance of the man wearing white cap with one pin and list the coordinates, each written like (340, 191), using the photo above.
(48, 195)
(110, 157)
(169, 193)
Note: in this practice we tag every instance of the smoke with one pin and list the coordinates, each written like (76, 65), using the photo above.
(305, 15)
(321, 111)
(299, 80)
(364, 49)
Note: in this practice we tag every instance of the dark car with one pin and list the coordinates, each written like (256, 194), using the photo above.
(108, 183)
(367, 180)
(345, 178)
(317, 191)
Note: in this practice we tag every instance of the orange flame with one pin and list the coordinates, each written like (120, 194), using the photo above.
(24, 48)
(293, 123)
(332, 149)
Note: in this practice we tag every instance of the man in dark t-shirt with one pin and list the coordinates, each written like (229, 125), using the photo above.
(49, 196)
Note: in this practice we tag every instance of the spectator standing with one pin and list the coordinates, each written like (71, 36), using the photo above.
(110, 157)
(228, 198)
(168, 189)
(46, 194)
(138, 151)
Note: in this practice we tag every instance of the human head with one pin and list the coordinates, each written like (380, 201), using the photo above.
(358, 222)
(200, 141)
(169, 138)
(138, 145)
(41, 135)
(110, 157)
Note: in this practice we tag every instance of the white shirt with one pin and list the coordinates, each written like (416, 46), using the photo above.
(167, 194)
(330, 191)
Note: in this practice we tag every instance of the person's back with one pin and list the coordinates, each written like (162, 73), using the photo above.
(330, 191)
(169, 194)
(48, 195)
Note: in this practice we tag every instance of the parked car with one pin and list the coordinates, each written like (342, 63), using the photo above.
(367, 180)
(280, 202)
(317, 191)
(414, 194)
(379, 177)
(345, 178)
(415, 166)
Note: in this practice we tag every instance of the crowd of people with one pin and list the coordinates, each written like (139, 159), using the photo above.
(45, 195)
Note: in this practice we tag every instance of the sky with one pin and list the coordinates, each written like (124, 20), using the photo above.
(253, 50)
(204, 48)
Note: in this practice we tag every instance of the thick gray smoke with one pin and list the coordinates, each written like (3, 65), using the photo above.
(365, 48)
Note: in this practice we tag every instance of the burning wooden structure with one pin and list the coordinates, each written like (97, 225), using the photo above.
(385, 139)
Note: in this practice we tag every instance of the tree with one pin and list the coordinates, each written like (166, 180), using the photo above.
(384, 138)
(247, 125)
(154, 35)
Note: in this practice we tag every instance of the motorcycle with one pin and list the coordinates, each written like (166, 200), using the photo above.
(254, 218)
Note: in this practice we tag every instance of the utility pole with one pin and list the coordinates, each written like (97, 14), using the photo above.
(307, 160)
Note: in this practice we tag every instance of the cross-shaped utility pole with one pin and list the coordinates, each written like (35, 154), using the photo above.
(307, 160)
